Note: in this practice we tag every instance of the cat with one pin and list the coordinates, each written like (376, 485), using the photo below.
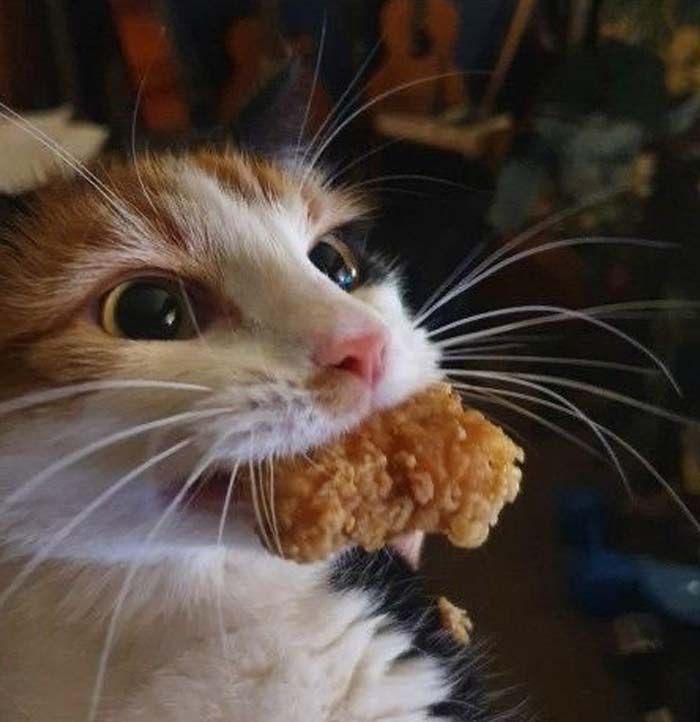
(165, 321)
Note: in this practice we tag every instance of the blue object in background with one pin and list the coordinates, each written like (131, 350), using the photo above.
(605, 583)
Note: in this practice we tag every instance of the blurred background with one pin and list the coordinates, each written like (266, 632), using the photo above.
(504, 141)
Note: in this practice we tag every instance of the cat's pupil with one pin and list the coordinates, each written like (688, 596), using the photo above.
(149, 312)
(338, 266)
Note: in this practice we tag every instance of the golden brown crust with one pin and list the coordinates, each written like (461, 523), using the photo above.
(455, 620)
(426, 465)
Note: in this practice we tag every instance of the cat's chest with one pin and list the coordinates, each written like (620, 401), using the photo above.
(324, 650)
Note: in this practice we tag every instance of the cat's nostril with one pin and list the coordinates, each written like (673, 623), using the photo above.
(361, 355)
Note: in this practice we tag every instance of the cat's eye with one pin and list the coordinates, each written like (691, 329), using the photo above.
(152, 309)
(334, 259)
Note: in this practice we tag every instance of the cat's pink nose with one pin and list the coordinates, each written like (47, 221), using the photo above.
(362, 355)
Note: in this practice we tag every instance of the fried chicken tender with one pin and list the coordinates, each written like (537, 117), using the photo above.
(427, 464)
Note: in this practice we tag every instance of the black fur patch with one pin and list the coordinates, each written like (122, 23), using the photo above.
(398, 593)
(271, 122)
(374, 267)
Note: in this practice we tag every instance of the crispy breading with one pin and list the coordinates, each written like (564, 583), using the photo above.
(428, 464)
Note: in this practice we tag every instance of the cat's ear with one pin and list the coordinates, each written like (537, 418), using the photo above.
(272, 123)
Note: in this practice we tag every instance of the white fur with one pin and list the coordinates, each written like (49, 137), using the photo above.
(207, 632)
(281, 647)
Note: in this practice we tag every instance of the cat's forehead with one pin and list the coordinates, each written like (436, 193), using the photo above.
(233, 194)
(191, 203)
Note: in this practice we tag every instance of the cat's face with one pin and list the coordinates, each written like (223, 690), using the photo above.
(238, 299)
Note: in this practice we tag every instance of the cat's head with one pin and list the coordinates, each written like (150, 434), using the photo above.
(178, 315)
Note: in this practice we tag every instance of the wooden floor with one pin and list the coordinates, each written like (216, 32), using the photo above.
(559, 661)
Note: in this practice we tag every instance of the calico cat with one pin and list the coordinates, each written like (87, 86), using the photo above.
(164, 322)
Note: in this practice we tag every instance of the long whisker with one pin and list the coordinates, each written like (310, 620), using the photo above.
(554, 360)
(336, 110)
(415, 177)
(93, 506)
(256, 505)
(72, 458)
(219, 543)
(426, 308)
(484, 348)
(273, 514)
(227, 503)
(519, 377)
(134, 118)
(401, 192)
(371, 103)
(603, 311)
(610, 395)
(264, 499)
(475, 278)
(625, 445)
(36, 398)
(131, 573)
(490, 394)
(556, 245)
(585, 418)
(359, 159)
(550, 222)
(314, 82)
(560, 313)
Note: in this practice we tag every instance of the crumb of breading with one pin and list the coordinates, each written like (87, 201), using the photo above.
(455, 621)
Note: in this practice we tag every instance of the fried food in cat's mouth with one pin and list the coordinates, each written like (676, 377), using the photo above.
(427, 465)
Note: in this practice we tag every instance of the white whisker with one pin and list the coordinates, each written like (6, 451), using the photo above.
(131, 573)
(426, 308)
(475, 278)
(371, 103)
(69, 459)
(554, 360)
(625, 445)
(227, 503)
(264, 499)
(273, 514)
(482, 349)
(414, 177)
(134, 117)
(550, 222)
(93, 506)
(359, 159)
(555, 314)
(585, 418)
(256, 505)
(610, 395)
(490, 394)
(335, 112)
(314, 81)
(517, 376)
(36, 398)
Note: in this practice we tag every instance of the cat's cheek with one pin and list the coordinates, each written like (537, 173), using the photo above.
(76, 354)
